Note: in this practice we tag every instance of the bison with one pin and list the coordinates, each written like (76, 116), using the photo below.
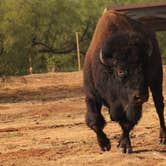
(122, 62)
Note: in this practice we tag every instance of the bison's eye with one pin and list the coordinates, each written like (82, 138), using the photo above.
(121, 73)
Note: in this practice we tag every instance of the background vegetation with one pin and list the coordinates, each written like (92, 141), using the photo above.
(41, 33)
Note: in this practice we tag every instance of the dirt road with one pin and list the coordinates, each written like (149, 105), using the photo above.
(42, 124)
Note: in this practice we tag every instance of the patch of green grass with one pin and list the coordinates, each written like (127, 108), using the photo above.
(11, 135)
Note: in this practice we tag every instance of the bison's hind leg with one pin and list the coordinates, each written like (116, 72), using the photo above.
(156, 89)
(96, 122)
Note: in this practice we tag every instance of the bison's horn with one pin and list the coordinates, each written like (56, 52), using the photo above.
(150, 50)
(105, 10)
(101, 56)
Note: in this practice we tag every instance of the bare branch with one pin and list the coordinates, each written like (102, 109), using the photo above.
(45, 48)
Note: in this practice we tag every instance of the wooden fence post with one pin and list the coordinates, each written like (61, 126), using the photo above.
(78, 52)
(30, 62)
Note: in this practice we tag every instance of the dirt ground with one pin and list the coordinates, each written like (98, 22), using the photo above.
(42, 124)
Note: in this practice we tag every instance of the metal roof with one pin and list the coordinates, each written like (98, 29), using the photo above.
(153, 14)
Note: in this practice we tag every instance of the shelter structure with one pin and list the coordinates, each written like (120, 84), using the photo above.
(152, 14)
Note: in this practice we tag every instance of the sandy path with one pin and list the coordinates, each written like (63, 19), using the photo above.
(42, 124)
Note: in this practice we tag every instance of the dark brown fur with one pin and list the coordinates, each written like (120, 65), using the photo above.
(101, 85)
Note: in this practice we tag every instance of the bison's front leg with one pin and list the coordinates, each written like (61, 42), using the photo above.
(124, 142)
(96, 122)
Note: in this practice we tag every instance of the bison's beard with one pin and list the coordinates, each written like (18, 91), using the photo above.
(133, 113)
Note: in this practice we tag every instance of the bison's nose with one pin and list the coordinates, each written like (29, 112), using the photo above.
(139, 99)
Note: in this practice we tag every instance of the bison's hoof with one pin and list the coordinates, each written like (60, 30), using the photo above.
(163, 136)
(163, 141)
(104, 144)
(125, 145)
(126, 150)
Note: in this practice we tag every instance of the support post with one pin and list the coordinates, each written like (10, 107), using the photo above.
(30, 63)
(78, 52)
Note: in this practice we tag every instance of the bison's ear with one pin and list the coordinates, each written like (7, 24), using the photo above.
(141, 41)
(150, 48)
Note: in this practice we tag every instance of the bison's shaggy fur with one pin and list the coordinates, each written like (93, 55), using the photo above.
(122, 61)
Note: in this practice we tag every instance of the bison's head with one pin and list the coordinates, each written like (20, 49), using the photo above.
(126, 56)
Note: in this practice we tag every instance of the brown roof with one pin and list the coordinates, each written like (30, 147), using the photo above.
(153, 14)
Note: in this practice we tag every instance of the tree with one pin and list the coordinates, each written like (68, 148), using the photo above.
(43, 32)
